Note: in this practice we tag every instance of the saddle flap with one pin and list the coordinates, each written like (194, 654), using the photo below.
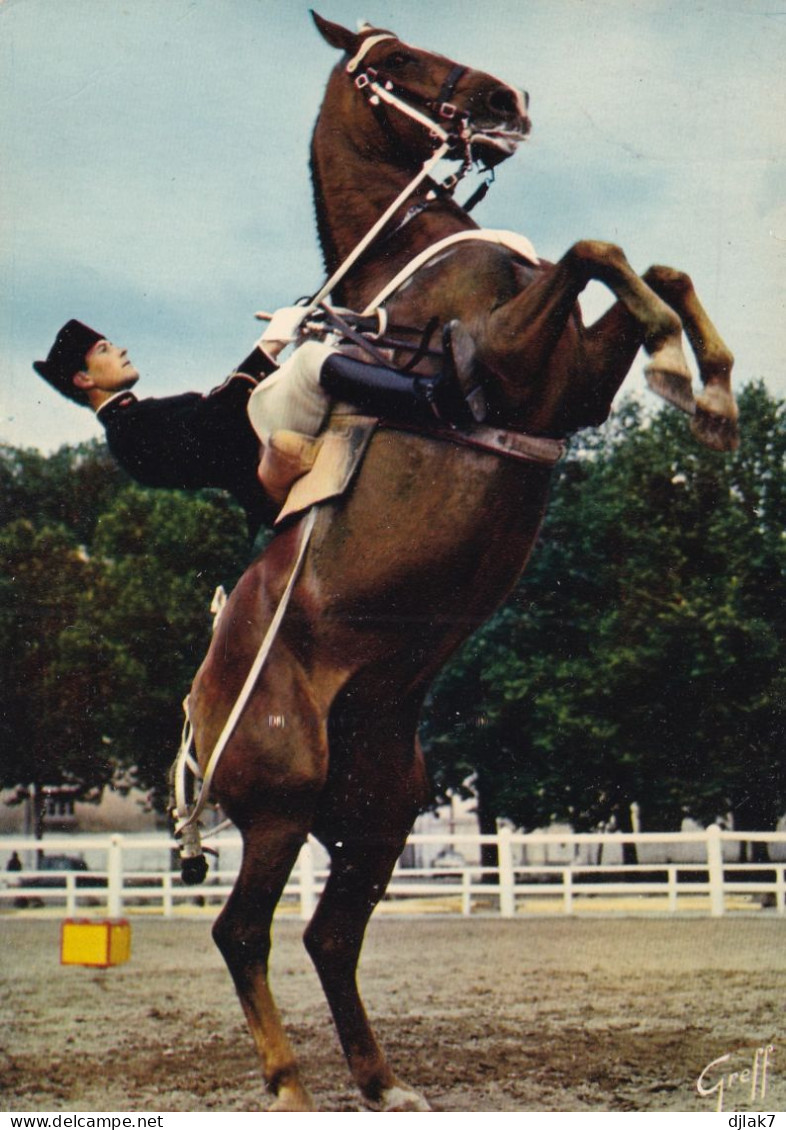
(340, 454)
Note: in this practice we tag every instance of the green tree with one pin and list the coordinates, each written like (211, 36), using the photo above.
(45, 739)
(143, 627)
(104, 617)
(69, 488)
(641, 657)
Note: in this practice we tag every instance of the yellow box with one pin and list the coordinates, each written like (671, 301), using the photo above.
(92, 941)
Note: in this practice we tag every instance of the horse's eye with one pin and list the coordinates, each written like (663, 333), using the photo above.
(397, 59)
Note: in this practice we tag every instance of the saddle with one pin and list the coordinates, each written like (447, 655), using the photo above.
(300, 471)
(322, 467)
(304, 470)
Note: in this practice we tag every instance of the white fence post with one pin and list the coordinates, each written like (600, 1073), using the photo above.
(672, 881)
(567, 888)
(70, 893)
(466, 893)
(305, 864)
(715, 871)
(507, 892)
(114, 877)
(166, 894)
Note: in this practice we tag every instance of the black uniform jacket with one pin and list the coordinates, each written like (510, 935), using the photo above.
(191, 441)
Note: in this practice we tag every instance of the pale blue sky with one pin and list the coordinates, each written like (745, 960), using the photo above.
(154, 159)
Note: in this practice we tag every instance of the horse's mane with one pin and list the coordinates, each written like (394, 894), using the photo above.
(326, 241)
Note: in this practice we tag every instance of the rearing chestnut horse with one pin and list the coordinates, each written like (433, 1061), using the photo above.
(429, 541)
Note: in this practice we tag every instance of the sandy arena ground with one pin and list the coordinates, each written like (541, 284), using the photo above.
(480, 1015)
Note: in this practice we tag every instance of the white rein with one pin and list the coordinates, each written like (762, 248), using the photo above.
(186, 819)
(380, 93)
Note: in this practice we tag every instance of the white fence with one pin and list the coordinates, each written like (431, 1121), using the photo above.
(690, 872)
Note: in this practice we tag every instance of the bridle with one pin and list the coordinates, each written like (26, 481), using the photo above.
(379, 88)
(449, 128)
(439, 116)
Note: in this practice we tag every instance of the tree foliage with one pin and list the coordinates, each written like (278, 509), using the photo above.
(641, 657)
(45, 738)
(104, 617)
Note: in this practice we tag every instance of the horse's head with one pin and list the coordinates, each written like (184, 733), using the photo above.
(401, 101)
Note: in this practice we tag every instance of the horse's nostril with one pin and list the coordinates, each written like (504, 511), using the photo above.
(504, 100)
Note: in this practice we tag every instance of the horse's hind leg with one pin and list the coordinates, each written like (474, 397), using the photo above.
(242, 933)
(268, 782)
(365, 832)
(360, 872)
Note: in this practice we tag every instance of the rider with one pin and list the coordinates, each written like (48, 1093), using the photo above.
(191, 441)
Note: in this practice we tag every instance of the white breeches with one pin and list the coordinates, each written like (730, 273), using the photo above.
(292, 397)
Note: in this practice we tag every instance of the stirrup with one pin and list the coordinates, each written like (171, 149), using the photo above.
(184, 775)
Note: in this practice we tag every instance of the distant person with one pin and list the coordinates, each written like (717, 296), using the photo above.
(15, 865)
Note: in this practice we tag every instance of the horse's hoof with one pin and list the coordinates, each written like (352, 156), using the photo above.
(401, 1100)
(672, 386)
(718, 433)
(193, 870)
(715, 422)
(296, 1100)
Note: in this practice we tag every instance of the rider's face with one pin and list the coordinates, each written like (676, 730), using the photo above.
(108, 369)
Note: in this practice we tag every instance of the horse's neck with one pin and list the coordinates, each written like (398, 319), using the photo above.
(351, 193)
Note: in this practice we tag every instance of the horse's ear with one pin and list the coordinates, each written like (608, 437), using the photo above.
(336, 35)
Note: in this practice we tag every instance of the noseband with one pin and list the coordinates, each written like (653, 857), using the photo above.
(378, 88)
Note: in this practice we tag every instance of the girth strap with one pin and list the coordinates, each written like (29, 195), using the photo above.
(518, 446)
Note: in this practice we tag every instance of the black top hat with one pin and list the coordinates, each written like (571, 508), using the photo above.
(67, 357)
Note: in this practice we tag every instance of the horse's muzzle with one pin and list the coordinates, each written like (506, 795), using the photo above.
(491, 146)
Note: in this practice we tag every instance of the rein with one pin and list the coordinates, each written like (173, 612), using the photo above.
(185, 814)
(374, 231)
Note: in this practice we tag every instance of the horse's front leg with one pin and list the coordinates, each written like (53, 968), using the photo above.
(715, 419)
(524, 337)
(617, 333)
(555, 373)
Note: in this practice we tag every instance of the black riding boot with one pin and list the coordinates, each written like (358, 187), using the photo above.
(380, 391)
(401, 396)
